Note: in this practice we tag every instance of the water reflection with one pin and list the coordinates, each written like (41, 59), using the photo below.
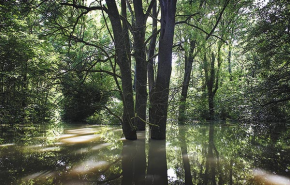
(157, 163)
(213, 154)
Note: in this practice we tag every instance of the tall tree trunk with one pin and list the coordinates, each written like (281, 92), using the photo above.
(123, 60)
(186, 79)
(141, 65)
(151, 52)
(161, 90)
(212, 79)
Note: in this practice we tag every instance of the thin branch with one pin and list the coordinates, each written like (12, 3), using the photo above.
(85, 7)
(153, 56)
(189, 16)
(127, 22)
(208, 34)
(276, 101)
(108, 27)
(149, 8)
(89, 44)
(115, 115)
(218, 20)
(102, 71)
(156, 33)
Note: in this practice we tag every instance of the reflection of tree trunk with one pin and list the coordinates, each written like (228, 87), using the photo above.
(140, 160)
(231, 172)
(210, 171)
(186, 164)
(134, 162)
(128, 162)
(157, 164)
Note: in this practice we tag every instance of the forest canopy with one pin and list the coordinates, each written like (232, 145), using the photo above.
(138, 63)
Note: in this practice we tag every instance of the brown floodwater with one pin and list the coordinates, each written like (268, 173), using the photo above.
(193, 154)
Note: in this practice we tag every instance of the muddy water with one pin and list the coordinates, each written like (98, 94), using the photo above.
(211, 154)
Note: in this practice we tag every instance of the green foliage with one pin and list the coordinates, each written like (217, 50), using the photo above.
(49, 43)
(268, 50)
(81, 99)
(27, 68)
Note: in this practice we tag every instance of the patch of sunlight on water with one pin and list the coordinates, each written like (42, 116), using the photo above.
(39, 175)
(81, 131)
(62, 136)
(81, 139)
(89, 165)
(48, 149)
(100, 146)
(94, 148)
(267, 178)
(8, 144)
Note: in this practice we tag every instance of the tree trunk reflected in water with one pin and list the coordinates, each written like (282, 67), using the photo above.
(211, 159)
(134, 161)
(185, 159)
(157, 164)
(201, 154)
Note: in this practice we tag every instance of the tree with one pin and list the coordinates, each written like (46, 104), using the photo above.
(123, 60)
(138, 30)
(268, 50)
(28, 66)
(159, 101)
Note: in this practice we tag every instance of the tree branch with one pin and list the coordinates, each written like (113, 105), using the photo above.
(156, 33)
(115, 115)
(218, 20)
(208, 34)
(276, 101)
(88, 9)
(102, 71)
(149, 8)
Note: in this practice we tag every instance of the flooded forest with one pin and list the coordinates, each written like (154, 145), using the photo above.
(152, 92)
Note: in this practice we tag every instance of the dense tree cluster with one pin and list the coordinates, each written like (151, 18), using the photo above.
(185, 60)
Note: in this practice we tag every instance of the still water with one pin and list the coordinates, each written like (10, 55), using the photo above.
(200, 154)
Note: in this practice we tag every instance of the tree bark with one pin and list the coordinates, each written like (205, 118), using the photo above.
(150, 65)
(123, 60)
(186, 78)
(141, 64)
(212, 79)
(161, 89)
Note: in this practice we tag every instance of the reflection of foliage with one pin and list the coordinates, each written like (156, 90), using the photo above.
(236, 152)
(43, 160)
(224, 154)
